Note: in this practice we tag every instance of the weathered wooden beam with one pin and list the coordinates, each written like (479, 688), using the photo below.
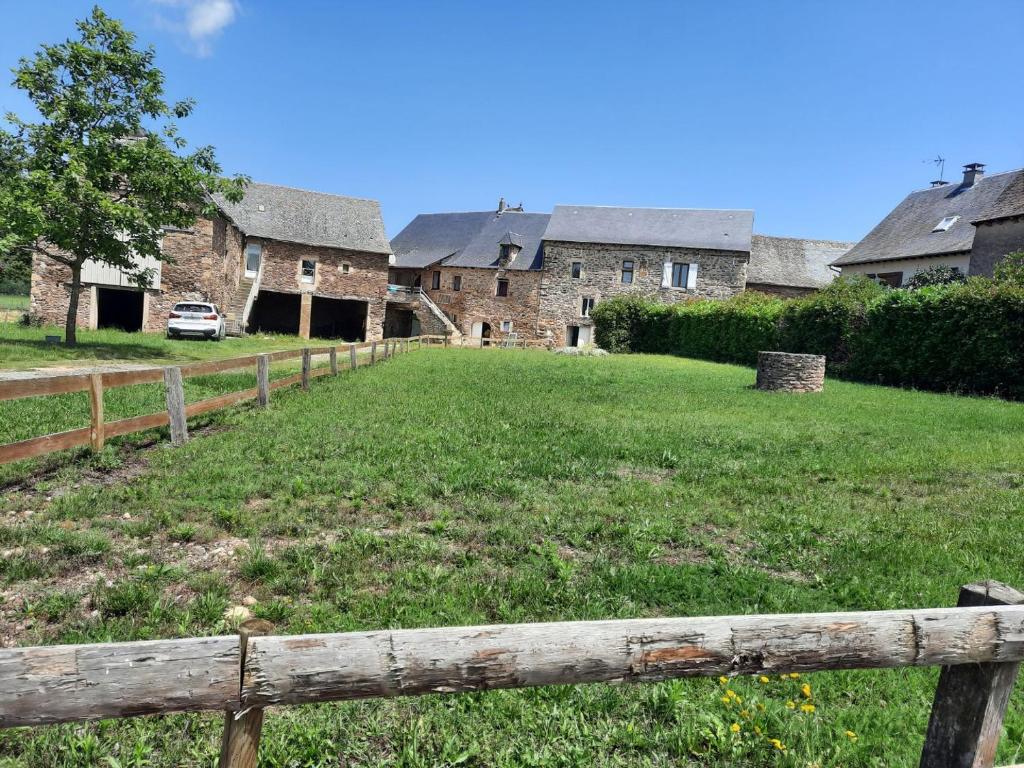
(971, 699)
(240, 743)
(136, 424)
(220, 401)
(112, 379)
(96, 435)
(67, 683)
(334, 361)
(306, 362)
(217, 366)
(352, 356)
(175, 396)
(286, 381)
(373, 353)
(43, 385)
(263, 380)
(307, 668)
(37, 446)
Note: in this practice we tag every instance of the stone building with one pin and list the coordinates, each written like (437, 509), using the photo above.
(538, 276)
(969, 226)
(282, 259)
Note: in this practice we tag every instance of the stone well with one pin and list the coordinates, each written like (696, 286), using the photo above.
(787, 372)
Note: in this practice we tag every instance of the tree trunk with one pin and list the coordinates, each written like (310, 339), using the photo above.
(70, 325)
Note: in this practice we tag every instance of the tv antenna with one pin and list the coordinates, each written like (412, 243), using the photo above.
(939, 162)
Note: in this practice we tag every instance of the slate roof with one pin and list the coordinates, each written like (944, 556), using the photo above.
(793, 262)
(906, 232)
(1010, 202)
(470, 239)
(524, 229)
(681, 227)
(311, 218)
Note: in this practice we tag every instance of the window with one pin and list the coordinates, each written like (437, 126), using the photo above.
(252, 259)
(627, 272)
(502, 288)
(457, 283)
(345, 268)
(435, 281)
(945, 224)
(506, 326)
(504, 251)
(577, 270)
(892, 279)
(308, 274)
(680, 273)
(587, 305)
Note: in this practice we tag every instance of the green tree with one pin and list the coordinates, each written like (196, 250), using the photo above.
(937, 275)
(104, 169)
(1010, 269)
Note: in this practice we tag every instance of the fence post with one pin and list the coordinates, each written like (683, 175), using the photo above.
(263, 380)
(175, 393)
(970, 700)
(481, 342)
(240, 742)
(306, 359)
(387, 346)
(96, 436)
(373, 352)
(352, 356)
(334, 361)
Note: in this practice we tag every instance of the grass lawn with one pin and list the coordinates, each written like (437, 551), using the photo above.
(7, 301)
(462, 486)
(26, 347)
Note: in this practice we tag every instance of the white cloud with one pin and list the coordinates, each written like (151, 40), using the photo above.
(201, 21)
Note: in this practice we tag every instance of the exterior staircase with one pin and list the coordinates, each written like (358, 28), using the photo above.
(236, 314)
(437, 315)
(433, 321)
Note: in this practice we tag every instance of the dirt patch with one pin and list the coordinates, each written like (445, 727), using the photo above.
(653, 475)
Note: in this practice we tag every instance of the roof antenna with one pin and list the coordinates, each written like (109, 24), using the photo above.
(940, 162)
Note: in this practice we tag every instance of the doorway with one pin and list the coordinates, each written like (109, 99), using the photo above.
(481, 330)
(119, 308)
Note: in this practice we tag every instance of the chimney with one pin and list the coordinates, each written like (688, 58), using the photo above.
(501, 205)
(973, 172)
(939, 183)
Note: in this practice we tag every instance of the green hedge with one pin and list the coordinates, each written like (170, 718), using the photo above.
(963, 338)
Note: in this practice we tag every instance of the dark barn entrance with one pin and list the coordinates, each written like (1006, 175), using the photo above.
(338, 319)
(119, 308)
(398, 322)
(274, 312)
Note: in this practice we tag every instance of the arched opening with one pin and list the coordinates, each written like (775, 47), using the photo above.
(485, 330)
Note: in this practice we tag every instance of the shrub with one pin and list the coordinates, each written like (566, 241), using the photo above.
(1010, 269)
(937, 275)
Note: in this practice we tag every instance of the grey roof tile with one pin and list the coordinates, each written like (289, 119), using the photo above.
(907, 232)
(792, 261)
(681, 227)
(470, 239)
(1010, 203)
(523, 229)
(311, 218)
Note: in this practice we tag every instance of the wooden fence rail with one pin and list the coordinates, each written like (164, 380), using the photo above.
(173, 377)
(979, 644)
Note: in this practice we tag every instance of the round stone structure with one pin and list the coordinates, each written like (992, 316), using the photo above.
(788, 372)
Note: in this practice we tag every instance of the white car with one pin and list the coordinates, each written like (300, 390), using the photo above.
(195, 318)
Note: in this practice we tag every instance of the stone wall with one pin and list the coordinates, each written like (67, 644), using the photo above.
(788, 372)
(782, 291)
(720, 274)
(993, 241)
(477, 300)
(366, 278)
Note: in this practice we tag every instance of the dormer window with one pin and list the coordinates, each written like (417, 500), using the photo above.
(945, 224)
(506, 251)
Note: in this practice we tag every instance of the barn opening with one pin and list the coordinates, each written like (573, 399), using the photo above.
(274, 312)
(119, 308)
(399, 322)
(338, 319)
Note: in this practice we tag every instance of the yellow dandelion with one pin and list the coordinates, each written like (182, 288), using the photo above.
(735, 727)
(757, 730)
(726, 700)
(794, 675)
(745, 713)
(723, 680)
(760, 706)
(763, 678)
(851, 735)
(808, 708)
(777, 744)
(790, 704)
(805, 689)
(731, 693)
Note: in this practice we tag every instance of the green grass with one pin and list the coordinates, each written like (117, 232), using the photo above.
(458, 486)
(7, 301)
(26, 347)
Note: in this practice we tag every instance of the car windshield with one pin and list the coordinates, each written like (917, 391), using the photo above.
(193, 308)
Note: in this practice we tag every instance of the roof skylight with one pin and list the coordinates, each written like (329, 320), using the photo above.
(945, 224)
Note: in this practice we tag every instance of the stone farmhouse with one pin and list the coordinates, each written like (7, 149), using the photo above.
(969, 226)
(538, 276)
(282, 259)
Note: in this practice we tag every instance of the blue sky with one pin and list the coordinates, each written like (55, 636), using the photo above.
(818, 115)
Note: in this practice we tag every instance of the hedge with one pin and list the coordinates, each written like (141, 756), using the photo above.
(960, 337)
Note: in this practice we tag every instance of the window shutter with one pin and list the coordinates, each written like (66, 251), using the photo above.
(691, 277)
(666, 275)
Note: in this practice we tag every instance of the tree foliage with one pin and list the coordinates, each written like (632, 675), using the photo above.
(1011, 269)
(104, 169)
(937, 275)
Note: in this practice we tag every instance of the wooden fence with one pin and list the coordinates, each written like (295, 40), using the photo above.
(979, 644)
(177, 412)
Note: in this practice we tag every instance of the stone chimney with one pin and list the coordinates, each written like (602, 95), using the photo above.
(501, 205)
(973, 172)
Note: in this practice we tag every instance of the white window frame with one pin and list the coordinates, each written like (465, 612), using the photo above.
(946, 223)
(506, 326)
(303, 277)
(668, 276)
(497, 288)
(345, 268)
(257, 250)
(586, 305)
